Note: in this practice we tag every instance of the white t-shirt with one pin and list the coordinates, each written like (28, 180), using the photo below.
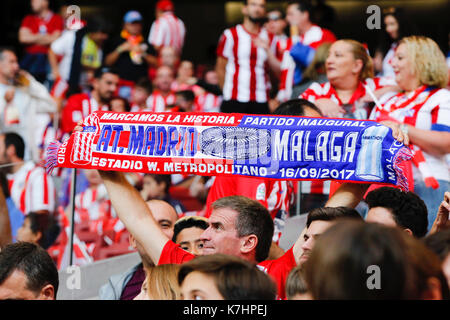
(32, 189)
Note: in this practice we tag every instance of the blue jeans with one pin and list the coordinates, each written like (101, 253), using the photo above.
(431, 197)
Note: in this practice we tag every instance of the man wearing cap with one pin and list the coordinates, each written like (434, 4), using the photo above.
(129, 54)
(167, 30)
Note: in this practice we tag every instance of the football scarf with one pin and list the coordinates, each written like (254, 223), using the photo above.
(210, 144)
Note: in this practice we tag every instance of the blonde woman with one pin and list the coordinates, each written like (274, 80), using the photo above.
(422, 110)
(161, 283)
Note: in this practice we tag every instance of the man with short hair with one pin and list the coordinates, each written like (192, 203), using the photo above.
(395, 208)
(81, 105)
(275, 194)
(30, 187)
(27, 272)
(245, 55)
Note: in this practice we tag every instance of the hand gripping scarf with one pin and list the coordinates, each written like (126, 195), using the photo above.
(209, 144)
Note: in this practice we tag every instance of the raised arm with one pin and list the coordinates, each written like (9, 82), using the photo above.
(348, 195)
(442, 221)
(134, 213)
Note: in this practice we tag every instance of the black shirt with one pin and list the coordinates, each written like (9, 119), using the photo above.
(128, 70)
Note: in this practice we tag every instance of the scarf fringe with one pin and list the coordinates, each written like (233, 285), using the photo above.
(404, 154)
(52, 156)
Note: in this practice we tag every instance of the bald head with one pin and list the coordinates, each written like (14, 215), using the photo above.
(164, 214)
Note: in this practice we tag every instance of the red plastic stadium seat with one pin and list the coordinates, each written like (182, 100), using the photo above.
(182, 194)
(88, 236)
(124, 237)
(108, 237)
(116, 249)
(82, 226)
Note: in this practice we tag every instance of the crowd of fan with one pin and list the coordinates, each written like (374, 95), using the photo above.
(218, 237)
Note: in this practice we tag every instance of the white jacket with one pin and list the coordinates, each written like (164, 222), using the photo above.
(33, 104)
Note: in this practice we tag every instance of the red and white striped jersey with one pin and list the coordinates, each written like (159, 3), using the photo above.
(280, 42)
(314, 37)
(276, 195)
(286, 82)
(246, 76)
(426, 108)
(207, 102)
(326, 91)
(32, 189)
(92, 204)
(61, 251)
(78, 107)
(156, 102)
(59, 88)
(167, 31)
(287, 66)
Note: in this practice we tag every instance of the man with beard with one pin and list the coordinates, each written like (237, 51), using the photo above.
(81, 105)
(29, 186)
(244, 55)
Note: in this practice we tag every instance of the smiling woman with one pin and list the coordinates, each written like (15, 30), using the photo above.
(422, 110)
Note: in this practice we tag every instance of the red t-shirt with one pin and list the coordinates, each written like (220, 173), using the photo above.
(37, 24)
(278, 269)
(275, 195)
